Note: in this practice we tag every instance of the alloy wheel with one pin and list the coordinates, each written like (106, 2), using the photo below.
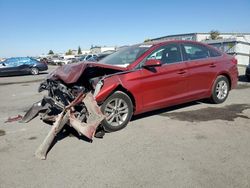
(116, 111)
(221, 89)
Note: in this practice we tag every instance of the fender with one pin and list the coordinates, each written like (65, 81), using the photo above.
(227, 74)
(109, 85)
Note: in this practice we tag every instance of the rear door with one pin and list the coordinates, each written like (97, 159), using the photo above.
(167, 84)
(201, 67)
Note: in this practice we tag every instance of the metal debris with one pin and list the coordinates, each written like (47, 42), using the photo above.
(15, 118)
(67, 116)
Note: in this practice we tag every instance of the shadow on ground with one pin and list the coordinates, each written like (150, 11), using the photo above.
(227, 113)
(2, 132)
(164, 110)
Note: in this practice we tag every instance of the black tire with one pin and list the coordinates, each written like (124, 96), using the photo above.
(220, 90)
(34, 71)
(120, 105)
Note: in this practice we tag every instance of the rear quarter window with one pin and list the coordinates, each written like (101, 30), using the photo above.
(195, 51)
(214, 53)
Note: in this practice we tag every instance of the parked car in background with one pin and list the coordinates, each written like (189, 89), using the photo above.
(21, 65)
(145, 77)
(60, 61)
(248, 72)
(43, 60)
(105, 54)
(2, 59)
(72, 60)
(90, 57)
(94, 58)
(101, 56)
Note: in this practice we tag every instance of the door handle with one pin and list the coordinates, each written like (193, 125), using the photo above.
(212, 65)
(182, 71)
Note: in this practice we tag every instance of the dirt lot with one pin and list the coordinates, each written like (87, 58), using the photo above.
(191, 145)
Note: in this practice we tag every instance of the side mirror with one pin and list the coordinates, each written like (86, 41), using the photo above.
(152, 63)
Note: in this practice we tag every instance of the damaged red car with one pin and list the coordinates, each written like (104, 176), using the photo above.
(140, 78)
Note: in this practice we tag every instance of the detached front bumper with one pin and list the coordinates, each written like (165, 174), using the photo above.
(50, 109)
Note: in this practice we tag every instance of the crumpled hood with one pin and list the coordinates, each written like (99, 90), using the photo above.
(70, 73)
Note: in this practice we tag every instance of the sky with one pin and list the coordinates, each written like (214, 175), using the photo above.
(33, 27)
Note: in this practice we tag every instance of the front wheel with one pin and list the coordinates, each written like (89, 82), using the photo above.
(220, 90)
(118, 109)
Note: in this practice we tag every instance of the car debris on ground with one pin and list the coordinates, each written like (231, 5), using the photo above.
(73, 106)
(67, 116)
(14, 118)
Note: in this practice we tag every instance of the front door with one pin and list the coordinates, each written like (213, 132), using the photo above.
(166, 84)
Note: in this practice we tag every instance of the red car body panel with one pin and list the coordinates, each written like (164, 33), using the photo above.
(162, 86)
(70, 73)
(110, 84)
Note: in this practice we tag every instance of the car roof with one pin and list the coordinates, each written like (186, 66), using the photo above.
(20, 58)
(162, 42)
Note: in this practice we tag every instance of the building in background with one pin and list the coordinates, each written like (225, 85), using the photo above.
(84, 52)
(101, 49)
(236, 44)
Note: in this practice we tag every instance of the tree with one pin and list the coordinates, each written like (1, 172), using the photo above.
(79, 50)
(50, 52)
(214, 34)
(147, 40)
(69, 52)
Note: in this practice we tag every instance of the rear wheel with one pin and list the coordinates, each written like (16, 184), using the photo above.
(118, 109)
(220, 90)
(34, 71)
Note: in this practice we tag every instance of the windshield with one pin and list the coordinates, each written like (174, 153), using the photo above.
(125, 56)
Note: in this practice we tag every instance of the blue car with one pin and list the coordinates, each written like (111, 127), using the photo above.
(21, 65)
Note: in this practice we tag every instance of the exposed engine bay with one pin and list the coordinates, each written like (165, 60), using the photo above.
(70, 101)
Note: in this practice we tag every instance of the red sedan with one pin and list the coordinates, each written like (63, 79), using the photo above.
(162, 74)
(146, 77)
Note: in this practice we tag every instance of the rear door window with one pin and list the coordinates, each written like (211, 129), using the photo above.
(195, 51)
